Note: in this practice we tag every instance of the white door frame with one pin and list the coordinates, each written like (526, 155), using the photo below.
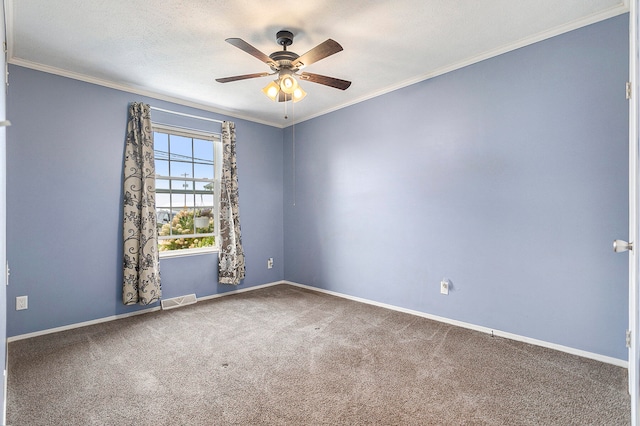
(634, 107)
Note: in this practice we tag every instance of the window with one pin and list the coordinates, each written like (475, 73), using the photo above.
(187, 183)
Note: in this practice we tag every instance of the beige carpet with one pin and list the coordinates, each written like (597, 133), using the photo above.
(287, 356)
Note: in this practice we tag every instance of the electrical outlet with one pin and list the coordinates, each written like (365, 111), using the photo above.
(22, 302)
(444, 287)
(270, 263)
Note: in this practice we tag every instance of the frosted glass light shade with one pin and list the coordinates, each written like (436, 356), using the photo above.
(271, 90)
(288, 84)
(298, 94)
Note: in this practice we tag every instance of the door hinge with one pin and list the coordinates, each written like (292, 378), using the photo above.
(628, 338)
(628, 89)
(6, 66)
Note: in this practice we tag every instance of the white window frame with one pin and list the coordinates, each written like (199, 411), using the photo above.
(216, 139)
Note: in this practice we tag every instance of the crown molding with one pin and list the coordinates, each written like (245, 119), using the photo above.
(621, 8)
(135, 90)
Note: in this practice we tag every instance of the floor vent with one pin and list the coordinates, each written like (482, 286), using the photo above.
(176, 302)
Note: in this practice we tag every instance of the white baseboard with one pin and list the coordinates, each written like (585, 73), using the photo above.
(242, 290)
(80, 324)
(482, 329)
(131, 314)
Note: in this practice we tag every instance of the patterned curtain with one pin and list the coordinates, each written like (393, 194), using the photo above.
(231, 257)
(141, 264)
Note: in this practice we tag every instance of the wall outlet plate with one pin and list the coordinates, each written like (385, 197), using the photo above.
(444, 287)
(270, 263)
(22, 302)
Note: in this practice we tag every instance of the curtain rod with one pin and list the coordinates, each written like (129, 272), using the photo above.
(186, 115)
(207, 133)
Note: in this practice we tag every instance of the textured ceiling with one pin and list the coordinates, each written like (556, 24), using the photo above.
(176, 48)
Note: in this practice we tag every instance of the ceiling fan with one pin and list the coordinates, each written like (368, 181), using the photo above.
(286, 65)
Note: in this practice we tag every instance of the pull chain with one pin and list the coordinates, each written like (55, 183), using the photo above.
(293, 137)
(286, 117)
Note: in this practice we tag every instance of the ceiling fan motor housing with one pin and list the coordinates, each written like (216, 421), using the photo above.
(284, 38)
(283, 58)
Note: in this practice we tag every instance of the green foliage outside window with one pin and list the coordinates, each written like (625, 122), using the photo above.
(183, 224)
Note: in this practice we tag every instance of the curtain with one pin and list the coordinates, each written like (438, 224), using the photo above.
(141, 280)
(231, 257)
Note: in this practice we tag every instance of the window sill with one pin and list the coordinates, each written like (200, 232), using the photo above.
(188, 252)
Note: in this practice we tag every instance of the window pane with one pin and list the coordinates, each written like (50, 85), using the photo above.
(205, 200)
(191, 200)
(162, 184)
(180, 168)
(163, 216)
(180, 186)
(205, 186)
(203, 148)
(161, 145)
(178, 201)
(203, 171)
(181, 148)
(200, 200)
(204, 222)
(203, 151)
(162, 167)
(183, 222)
(203, 158)
(162, 201)
(186, 243)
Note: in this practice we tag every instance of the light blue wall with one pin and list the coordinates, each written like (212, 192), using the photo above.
(508, 177)
(65, 155)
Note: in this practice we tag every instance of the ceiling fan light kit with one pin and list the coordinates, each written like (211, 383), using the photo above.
(271, 90)
(286, 65)
(299, 94)
(287, 83)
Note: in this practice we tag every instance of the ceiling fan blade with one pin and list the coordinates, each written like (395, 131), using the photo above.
(242, 77)
(321, 51)
(327, 81)
(243, 45)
